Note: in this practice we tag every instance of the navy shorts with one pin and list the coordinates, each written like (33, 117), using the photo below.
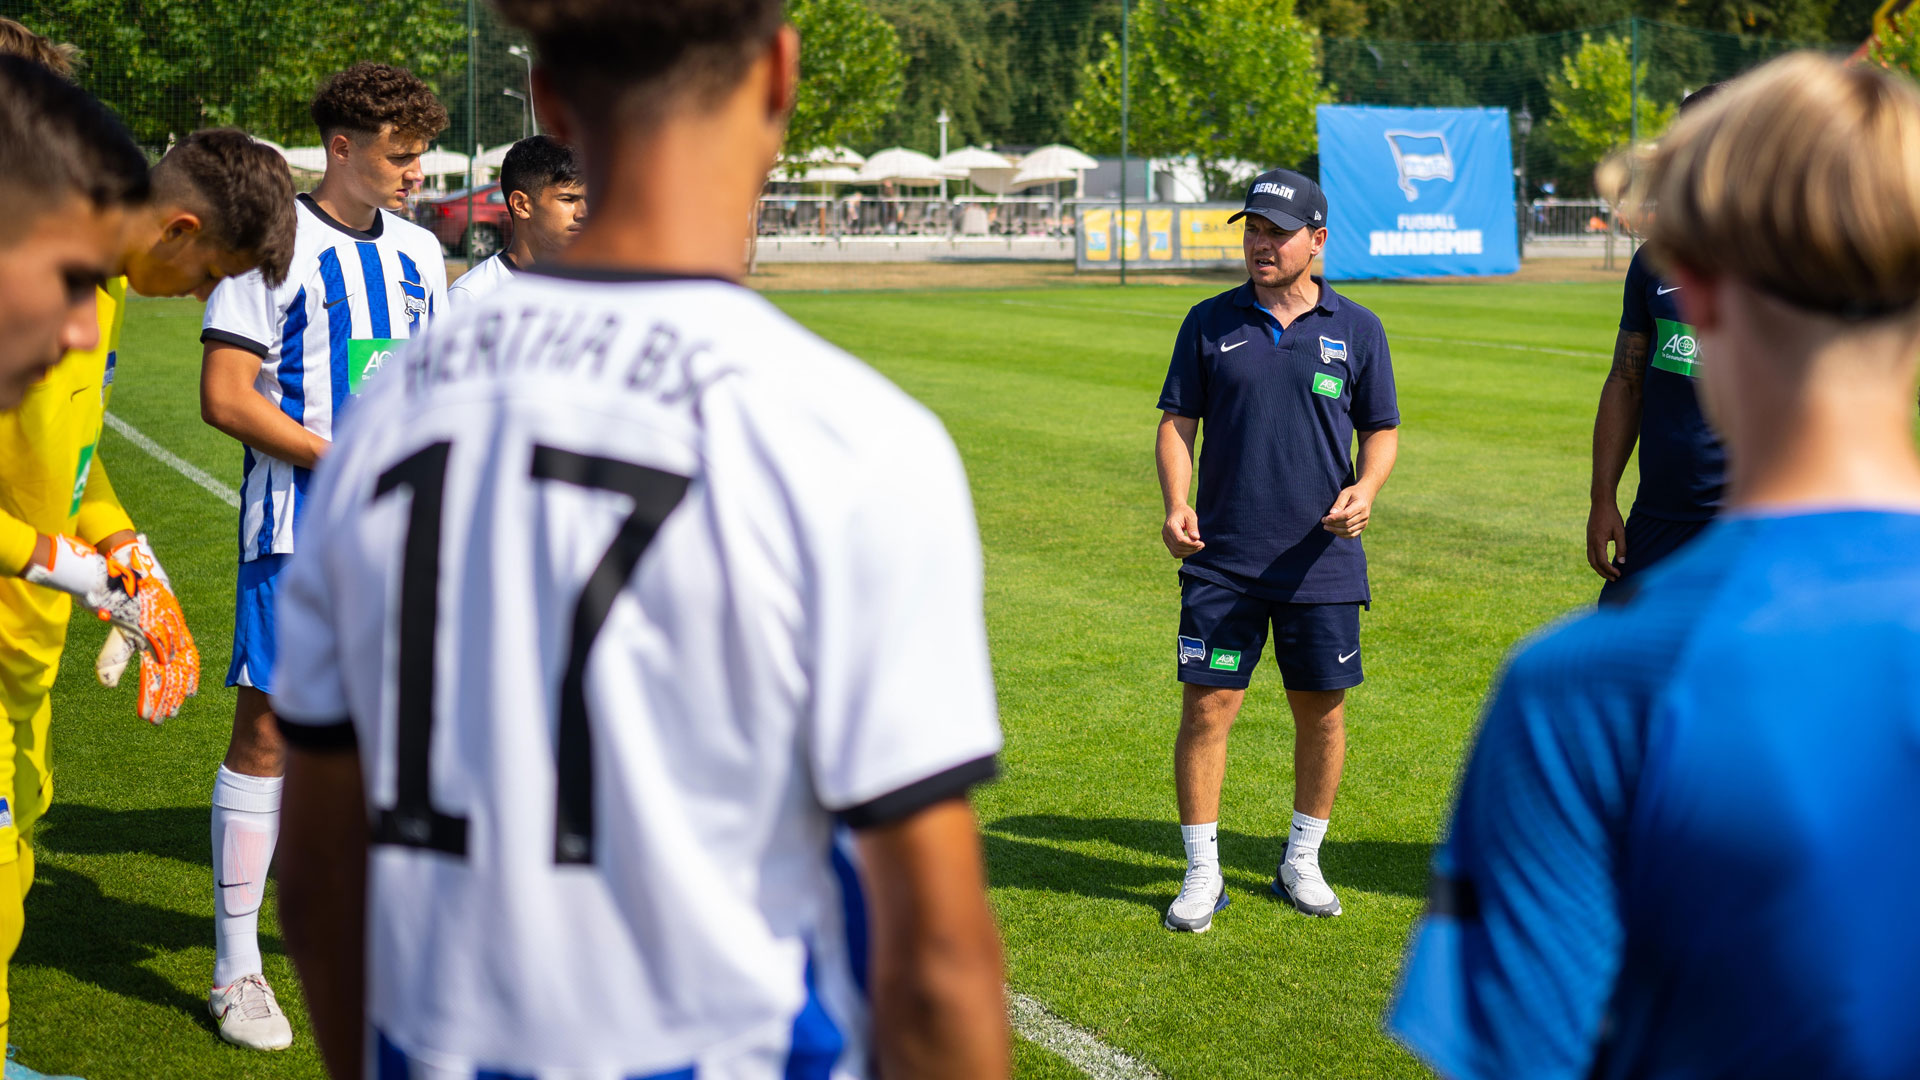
(1222, 633)
(253, 649)
(1649, 541)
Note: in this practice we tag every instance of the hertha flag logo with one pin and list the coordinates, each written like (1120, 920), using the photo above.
(1420, 155)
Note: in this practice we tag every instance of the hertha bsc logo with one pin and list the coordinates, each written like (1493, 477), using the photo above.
(1192, 648)
(1420, 155)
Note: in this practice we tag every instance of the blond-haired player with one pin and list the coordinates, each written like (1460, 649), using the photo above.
(1684, 841)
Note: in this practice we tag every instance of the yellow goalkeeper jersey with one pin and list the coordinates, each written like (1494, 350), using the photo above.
(51, 481)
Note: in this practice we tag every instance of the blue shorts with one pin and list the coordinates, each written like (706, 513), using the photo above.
(1222, 633)
(1649, 541)
(253, 596)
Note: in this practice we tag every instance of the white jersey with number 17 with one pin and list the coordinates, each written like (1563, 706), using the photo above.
(628, 589)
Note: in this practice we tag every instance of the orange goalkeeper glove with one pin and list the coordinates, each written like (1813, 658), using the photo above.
(170, 668)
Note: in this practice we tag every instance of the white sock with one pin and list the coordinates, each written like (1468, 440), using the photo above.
(246, 823)
(1203, 846)
(1305, 836)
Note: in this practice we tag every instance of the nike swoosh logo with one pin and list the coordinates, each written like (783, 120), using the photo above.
(1664, 290)
(1350, 656)
(331, 304)
(1235, 345)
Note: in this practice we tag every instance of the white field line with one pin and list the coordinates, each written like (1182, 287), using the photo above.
(1030, 1018)
(1079, 1047)
(174, 461)
(1391, 338)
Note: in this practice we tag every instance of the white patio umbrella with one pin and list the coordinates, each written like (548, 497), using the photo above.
(969, 158)
(306, 158)
(1050, 165)
(492, 159)
(443, 163)
(830, 174)
(903, 166)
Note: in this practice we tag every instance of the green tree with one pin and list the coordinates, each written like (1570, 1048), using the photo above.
(171, 66)
(851, 73)
(1590, 103)
(956, 63)
(1222, 80)
(1898, 47)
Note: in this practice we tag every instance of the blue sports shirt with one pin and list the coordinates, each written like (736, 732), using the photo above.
(1278, 409)
(1684, 845)
(1682, 464)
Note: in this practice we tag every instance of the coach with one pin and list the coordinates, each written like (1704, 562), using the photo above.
(1283, 371)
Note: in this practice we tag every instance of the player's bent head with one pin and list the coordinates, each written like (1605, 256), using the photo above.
(223, 204)
(17, 40)
(634, 64)
(68, 171)
(1800, 180)
(375, 121)
(56, 143)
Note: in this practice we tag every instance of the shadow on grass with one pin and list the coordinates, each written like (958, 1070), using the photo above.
(170, 832)
(107, 942)
(1023, 852)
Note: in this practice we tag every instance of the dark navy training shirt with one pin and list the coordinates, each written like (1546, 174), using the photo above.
(1682, 465)
(1684, 845)
(1278, 409)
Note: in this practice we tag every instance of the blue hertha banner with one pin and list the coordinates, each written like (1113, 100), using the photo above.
(1417, 192)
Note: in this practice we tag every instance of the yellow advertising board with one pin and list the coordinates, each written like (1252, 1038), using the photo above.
(1159, 236)
(1206, 235)
(1098, 224)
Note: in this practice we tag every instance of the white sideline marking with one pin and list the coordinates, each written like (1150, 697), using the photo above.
(1079, 1047)
(174, 461)
(1391, 338)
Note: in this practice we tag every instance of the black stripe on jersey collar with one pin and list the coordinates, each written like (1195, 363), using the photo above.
(609, 273)
(379, 220)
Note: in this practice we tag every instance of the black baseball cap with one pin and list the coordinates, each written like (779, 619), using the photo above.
(1287, 199)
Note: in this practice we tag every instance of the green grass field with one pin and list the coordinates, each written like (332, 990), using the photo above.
(1050, 395)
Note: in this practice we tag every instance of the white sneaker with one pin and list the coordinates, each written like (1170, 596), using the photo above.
(1300, 883)
(1201, 894)
(248, 1015)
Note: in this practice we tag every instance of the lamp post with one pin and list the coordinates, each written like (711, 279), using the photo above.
(943, 120)
(526, 54)
(512, 93)
(1523, 124)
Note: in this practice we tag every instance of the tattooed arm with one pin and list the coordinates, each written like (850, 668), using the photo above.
(1615, 429)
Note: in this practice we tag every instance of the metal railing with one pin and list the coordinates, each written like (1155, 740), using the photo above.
(857, 214)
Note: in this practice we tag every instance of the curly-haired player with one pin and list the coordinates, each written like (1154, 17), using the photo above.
(282, 361)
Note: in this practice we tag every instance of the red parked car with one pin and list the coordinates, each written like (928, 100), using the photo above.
(490, 227)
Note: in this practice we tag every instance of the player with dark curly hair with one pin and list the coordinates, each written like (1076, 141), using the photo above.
(282, 360)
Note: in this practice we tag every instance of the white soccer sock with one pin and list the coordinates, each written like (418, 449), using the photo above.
(1305, 836)
(246, 823)
(1203, 846)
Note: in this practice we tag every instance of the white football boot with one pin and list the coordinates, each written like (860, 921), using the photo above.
(1300, 883)
(1201, 894)
(248, 1015)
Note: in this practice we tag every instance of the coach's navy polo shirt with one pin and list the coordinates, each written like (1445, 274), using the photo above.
(1683, 467)
(1278, 409)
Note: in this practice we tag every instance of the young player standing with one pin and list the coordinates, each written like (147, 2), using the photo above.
(611, 604)
(1283, 372)
(1649, 398)
(548, 201)
(1684, 838)
(69, 175)
(281, 364)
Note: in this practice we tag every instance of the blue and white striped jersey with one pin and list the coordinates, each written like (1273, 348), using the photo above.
(348, 297)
